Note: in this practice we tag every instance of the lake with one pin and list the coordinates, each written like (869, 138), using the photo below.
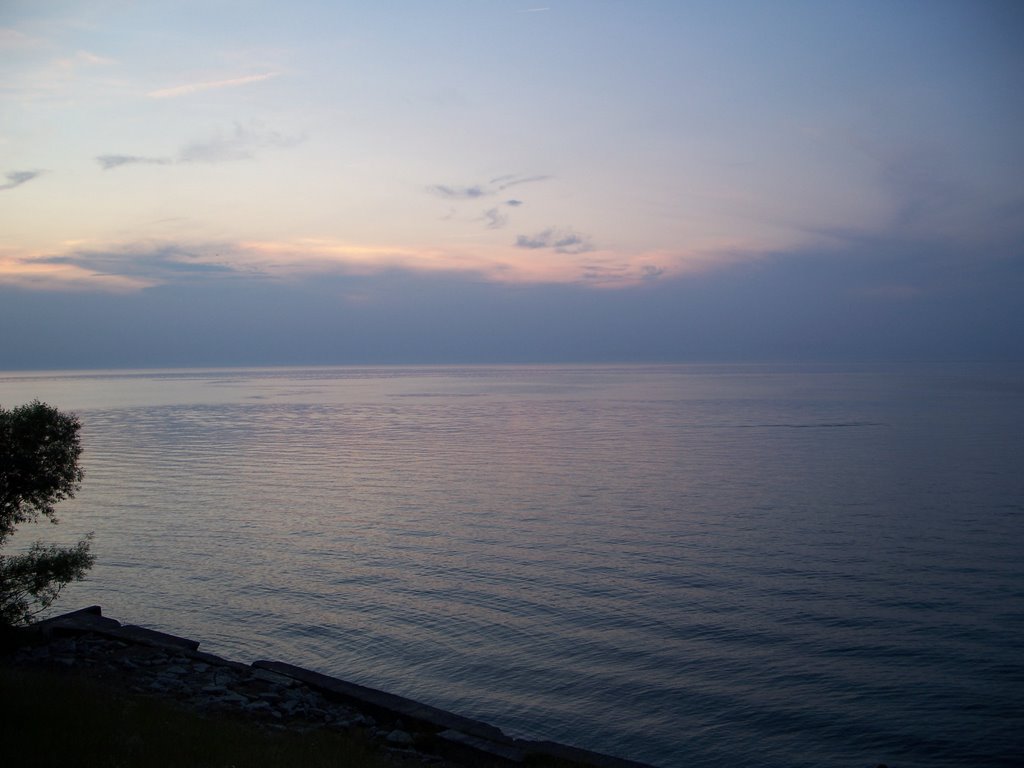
(699, 565)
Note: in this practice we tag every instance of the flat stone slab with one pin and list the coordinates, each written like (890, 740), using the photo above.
(89, 619)
(217, 661)
(463, 741)
(575, 754)
(153, 637)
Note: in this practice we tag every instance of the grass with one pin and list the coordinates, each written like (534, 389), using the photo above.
(48, 719)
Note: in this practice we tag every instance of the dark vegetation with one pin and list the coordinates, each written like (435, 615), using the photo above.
(39, 452)
(66, 720)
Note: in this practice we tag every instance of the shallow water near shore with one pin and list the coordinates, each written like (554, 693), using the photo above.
(685, 565)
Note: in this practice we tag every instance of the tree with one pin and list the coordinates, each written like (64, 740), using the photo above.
(39, 452)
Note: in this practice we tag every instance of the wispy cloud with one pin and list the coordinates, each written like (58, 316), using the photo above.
(495, 219)
(75, 75)
(209, 85)
(116, 161)
(149, 265)
(241, 143)
(458, 193)
(580, 263)
(504, 182)
(132, 265)
(561, 241)
(91, 59)
(476, 191)
(36, 272)
(17, 178)
(13, 40)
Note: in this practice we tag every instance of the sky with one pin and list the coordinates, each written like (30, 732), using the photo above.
(458, 181)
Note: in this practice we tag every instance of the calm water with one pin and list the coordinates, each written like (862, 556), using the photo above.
(686, 565)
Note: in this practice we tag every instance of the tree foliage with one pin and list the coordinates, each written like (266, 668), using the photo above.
(39, 452)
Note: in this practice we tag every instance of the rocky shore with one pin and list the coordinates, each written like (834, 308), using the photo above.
(276, 694)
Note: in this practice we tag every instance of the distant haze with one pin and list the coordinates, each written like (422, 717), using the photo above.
(325, 183)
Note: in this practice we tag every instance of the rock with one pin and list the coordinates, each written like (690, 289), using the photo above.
(67, 645)
(290, 706)
(155, 638)
(232, 699)
(347, 720)
(175, 684)
(273, 677)
(399, 738)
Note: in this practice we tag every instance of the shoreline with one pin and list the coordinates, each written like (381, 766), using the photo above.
(277, 694)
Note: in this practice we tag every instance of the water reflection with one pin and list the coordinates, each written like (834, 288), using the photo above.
(671, 563)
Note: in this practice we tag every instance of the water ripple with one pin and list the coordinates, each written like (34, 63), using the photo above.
(684, 565)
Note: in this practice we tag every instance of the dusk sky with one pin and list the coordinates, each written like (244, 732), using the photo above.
(218, 183)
